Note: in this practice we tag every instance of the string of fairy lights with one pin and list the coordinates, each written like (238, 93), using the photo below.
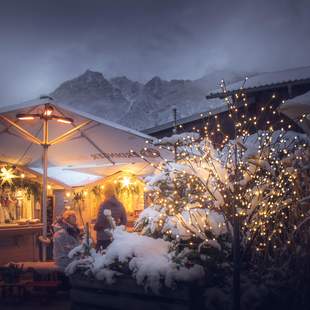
(264, 190)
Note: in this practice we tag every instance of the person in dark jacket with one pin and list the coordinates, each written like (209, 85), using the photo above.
(111, 213)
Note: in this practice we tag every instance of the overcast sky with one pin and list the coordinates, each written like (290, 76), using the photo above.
(46, 42)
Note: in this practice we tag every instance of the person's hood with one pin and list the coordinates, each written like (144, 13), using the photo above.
(60, 223)
(57, 225)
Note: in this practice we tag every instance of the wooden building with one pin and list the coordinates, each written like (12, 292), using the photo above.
(261, 90)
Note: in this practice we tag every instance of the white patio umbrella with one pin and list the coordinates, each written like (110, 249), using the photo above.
(42, 133)
(295, 108)
(140, 169)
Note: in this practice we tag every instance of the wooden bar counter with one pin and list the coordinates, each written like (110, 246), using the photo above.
(19, 242)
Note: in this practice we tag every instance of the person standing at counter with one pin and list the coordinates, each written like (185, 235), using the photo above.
(7, 207)
(66, 237)
(4, 213)
(111, 211)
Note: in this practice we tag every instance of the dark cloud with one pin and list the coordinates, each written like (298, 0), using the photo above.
(44, 42)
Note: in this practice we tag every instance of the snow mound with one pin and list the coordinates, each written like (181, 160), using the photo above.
(148, 259)
(127, 245)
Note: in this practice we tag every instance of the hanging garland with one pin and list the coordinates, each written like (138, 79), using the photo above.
(30, 187)
(97, 191)
(120, 188)
(78, 203)
(78, 197)
(7, 175)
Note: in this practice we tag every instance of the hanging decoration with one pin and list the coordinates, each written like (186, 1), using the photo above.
(127, 190)
(97, 190)
(78, 203)
(7, 174)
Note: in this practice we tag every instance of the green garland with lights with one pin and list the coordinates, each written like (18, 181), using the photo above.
(15, 183)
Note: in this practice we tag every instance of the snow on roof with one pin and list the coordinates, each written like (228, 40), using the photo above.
(182, 139)
(302, 100)
(268, 79)
(295, 108)
(212, 107)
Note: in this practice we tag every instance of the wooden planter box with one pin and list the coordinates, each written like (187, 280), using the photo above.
(126, 294)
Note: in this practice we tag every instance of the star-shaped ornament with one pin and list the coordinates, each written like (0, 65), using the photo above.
(7, 175)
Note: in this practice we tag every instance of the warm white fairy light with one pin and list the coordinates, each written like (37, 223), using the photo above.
(262, 188)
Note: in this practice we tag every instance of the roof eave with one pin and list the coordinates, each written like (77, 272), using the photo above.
(186, 120)
(257, 89)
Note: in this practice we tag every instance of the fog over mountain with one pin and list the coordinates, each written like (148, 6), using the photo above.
(137, 105)
(45, 42)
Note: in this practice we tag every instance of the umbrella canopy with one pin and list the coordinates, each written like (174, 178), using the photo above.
(93, 141)
(43, 133)
(69, 177)
(139, 169)
(295, 108)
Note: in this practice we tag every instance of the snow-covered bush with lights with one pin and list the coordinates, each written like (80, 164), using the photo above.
(259, 178)
(182, 212)
(147, 260)
(257, 182)
(186, 233)
(254, 177)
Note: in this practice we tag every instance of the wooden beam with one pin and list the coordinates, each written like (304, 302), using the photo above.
(26, 134)
(67, 134)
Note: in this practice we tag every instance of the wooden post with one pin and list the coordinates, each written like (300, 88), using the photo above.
(174, 130)
(236, 259)
(87, 238)
(236, 243)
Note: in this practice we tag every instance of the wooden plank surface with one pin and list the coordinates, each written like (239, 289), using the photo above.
(88, 299)
(19, 244)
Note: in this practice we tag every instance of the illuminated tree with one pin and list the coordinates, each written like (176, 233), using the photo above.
(250, 193)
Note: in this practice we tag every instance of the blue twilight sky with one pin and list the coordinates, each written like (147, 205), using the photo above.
(45, 42)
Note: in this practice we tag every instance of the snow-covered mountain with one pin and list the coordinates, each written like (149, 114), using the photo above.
(140, 106)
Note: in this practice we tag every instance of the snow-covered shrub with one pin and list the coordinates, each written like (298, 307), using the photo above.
(149, 261)
(186, 233)
(260, 178)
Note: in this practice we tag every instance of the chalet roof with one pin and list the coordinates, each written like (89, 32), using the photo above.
(266, 80)
(302, 99)
(263, 81)
(213, 107)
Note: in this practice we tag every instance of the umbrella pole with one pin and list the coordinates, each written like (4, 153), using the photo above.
(44, 201)
(44, 187)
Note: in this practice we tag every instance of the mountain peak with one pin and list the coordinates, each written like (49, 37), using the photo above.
(91, 76)
(155, 79)
(138, 105)
(155, 83)
(122, 78)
